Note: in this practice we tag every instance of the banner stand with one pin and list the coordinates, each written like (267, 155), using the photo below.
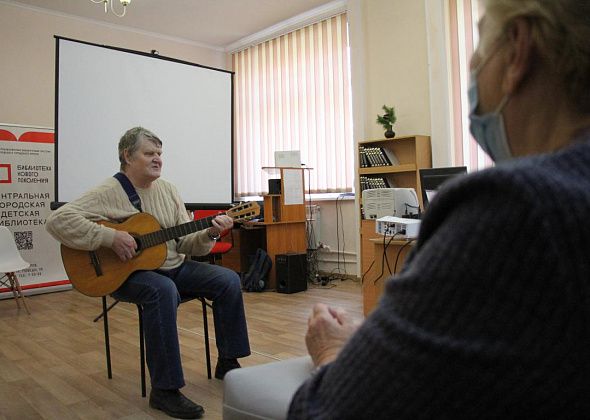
(26, 192)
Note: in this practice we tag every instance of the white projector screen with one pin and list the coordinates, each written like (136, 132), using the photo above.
(103, 91)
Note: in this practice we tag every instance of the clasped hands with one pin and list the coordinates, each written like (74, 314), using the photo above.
(125, 247)
(328, 330)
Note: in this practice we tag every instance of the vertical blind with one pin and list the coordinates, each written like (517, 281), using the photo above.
(463, 18)
(293, 93)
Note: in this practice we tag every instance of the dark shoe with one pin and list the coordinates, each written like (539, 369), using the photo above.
(224, 366)
(173, 403)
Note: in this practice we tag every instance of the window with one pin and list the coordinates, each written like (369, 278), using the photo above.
(463, 18)
(293, 93)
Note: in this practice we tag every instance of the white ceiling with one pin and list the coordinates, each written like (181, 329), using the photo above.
(215, 24)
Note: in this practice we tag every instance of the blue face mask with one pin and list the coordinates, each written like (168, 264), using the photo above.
(488, 129)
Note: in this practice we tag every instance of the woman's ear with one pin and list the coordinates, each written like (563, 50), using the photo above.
(519, 56)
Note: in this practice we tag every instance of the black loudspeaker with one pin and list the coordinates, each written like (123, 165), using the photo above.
(291, 272)
(274, 186)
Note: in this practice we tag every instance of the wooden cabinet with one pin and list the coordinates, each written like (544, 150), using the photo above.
(374, 283)
(408, 155)
(284, 218)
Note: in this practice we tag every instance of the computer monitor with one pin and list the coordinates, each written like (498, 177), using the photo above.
(432, 178)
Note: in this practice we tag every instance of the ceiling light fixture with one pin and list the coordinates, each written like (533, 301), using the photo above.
(109, 3)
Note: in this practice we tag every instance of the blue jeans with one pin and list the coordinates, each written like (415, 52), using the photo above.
(160, 293)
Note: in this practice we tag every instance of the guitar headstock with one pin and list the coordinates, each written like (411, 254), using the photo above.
(244, 211)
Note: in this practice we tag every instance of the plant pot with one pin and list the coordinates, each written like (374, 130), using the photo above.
(389, 134)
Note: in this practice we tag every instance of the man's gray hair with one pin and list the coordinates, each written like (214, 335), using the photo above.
(130, 142)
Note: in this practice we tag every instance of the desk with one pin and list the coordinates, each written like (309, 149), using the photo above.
(374, 280)
(283, 230)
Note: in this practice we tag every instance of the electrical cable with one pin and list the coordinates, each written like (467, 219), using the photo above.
(313, 276)
(340, 272)
(366, 272)
(384, 257)
(340, 232)
(412, 207)
(343, 240)
(385, 246)
(340, 218)
(335, 274)
(338, 235)
(322, 286)
(312, 260)
(310, 219)
(312, 264)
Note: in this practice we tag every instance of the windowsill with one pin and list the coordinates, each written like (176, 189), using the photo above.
(314, 197)
(331, 197)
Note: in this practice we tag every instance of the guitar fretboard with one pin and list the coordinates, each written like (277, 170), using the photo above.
(156, 238)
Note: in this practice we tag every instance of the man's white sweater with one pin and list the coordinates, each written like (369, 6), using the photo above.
(74, 223)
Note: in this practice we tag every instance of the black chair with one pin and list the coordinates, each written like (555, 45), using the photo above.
(104, 316)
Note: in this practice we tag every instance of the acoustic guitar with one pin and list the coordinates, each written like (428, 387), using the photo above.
(100, 272)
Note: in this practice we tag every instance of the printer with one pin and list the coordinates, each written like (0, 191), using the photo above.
(398, 202)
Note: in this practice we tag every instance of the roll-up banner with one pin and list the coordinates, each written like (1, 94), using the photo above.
(26, 191)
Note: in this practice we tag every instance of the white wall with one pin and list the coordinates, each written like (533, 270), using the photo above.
(399, 58)
(27, 57)
(337, 231)
(390, 55)
(395, 66)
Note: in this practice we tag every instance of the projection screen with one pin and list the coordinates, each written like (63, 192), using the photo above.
(102, 91)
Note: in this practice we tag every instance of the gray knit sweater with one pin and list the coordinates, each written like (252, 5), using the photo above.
(491, 315)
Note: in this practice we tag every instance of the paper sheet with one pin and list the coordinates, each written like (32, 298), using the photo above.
(293, 185)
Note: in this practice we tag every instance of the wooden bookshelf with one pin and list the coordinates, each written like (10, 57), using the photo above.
(410, 154)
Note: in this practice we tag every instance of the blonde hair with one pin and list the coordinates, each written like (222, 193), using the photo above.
(130, 142)
(561, 34)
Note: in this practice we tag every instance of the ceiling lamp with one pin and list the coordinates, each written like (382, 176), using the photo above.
(109, 3)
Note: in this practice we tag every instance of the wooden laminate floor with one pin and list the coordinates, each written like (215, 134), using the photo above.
(52, 362)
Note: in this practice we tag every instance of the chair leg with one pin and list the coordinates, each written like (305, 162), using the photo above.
(105, 318)
(19, 292)
(141, 350)
(206, 329)
(106, 336)
(104, 315)
(13, 289)
(111, 306)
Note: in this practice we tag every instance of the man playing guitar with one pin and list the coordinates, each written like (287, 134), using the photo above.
(78, 225)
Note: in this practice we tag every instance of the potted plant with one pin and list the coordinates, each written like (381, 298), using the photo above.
(387, 120)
